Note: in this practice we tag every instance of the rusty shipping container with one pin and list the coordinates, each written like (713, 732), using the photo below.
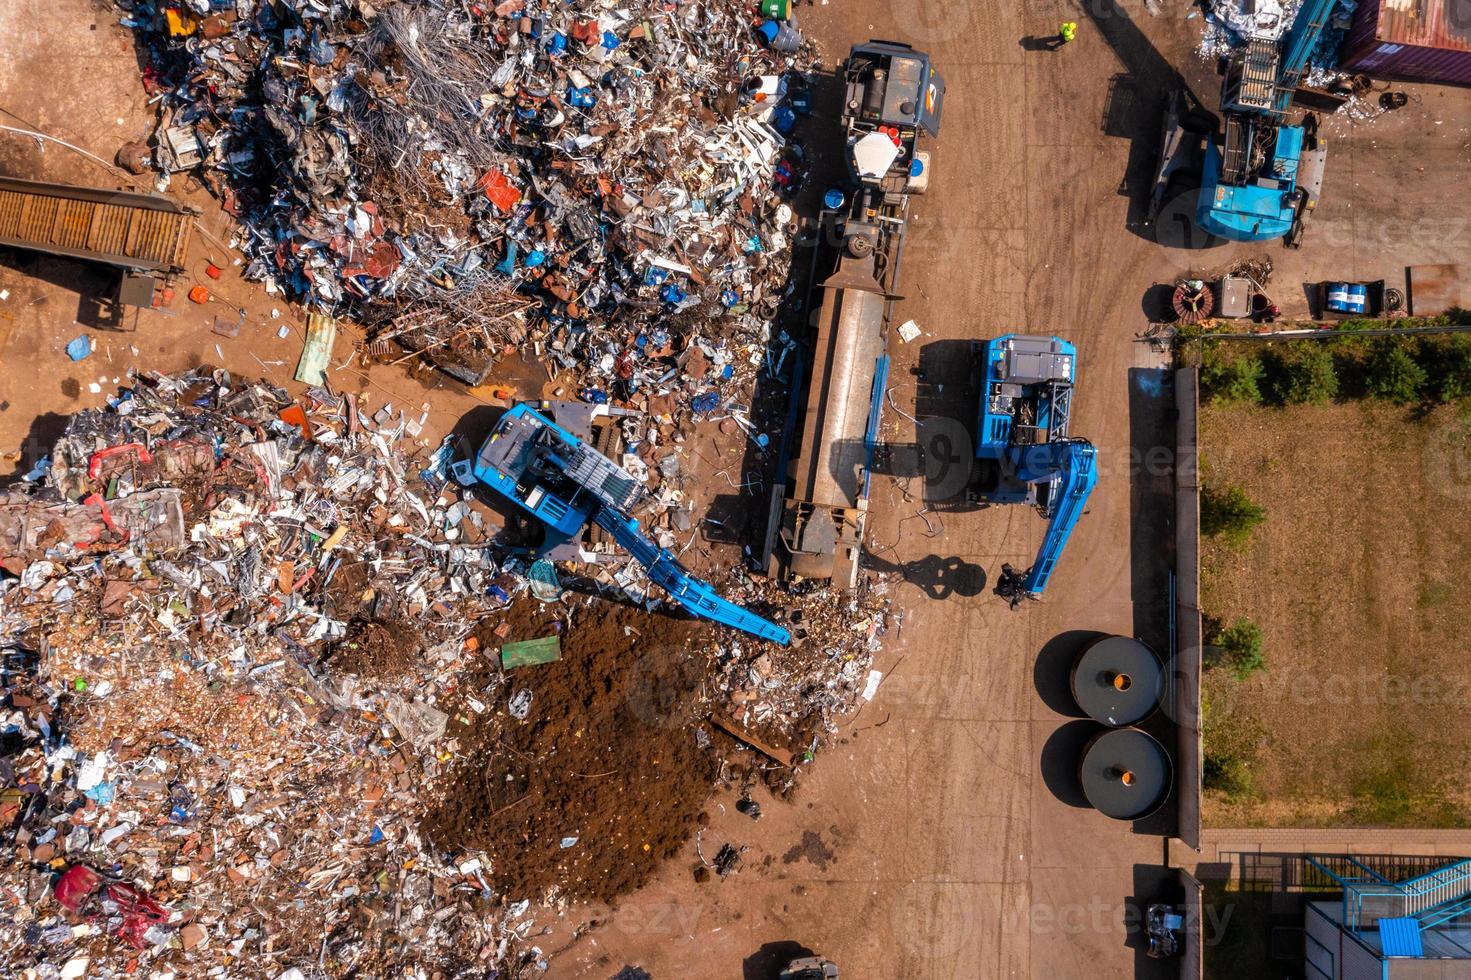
(1420, 40)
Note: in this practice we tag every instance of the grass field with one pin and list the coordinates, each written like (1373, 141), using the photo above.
(1358, 578)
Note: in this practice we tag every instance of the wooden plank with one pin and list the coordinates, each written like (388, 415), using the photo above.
(131, 241)
(11, 205)
(729, 726)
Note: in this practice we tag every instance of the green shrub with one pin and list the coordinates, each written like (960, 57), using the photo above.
(1453, 369)
(1231, 380)
(1303, 373)
(1241, 645)
(1394, 376)
(1229, 514)
(1226, 773)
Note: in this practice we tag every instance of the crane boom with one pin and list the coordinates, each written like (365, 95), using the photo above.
(1073, 472)
(1298, 46)
(566, 484)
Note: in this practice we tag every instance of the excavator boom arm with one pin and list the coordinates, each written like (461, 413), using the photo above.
(1075, 466)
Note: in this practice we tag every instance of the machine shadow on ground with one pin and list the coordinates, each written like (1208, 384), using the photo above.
(941, 455)
(937, 576)
(768, 961)
(1052, 673)
(1135, 111)
(45, 430)
(96, 286)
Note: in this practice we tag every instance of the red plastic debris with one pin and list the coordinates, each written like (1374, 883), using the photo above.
(378, 262)
(498, 191)
(94, 462)
(138, 911)
(76, 884)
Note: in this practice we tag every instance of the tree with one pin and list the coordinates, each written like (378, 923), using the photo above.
(1229, 514)
(1231, 380)
(1303, 374)
(1453, 370)
(1394, 376)
(1241, 646)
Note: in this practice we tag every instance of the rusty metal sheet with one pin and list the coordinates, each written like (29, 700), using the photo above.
(1434, 289)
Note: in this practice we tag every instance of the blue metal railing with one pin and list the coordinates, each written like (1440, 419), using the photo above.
(1442, 914)
(1415, 896)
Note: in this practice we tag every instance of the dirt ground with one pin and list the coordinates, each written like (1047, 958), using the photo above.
(941, 838)
(1355, 578)
(603, 761)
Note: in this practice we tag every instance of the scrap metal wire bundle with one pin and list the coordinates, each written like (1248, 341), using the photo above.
(621, 165)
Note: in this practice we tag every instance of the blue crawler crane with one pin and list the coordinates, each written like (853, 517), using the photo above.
(1025, 451)
(1260, 176)
(567, 484)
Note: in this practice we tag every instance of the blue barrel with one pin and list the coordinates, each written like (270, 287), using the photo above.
(833, 199)
(1350, 298)
(780, 36)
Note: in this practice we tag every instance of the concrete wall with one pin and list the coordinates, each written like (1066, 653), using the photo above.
(1189, 642)
(1429, 969)
(1192, 960)
(1322, 941)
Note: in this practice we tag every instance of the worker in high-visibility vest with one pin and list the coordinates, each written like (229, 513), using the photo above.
(1066, 33)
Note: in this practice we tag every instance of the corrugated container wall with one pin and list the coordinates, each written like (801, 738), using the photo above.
(1424, 40)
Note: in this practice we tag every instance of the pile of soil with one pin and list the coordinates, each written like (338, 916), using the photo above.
(372, 649)
(607, 755)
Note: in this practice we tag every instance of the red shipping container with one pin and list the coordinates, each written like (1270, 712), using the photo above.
(1420, 40)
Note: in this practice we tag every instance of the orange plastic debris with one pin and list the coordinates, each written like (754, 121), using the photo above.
(498, 190)
(181, 23)
(199, 295)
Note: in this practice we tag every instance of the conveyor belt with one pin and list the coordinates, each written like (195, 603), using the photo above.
(134, 231)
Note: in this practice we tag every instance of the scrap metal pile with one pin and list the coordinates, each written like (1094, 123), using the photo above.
(622, 165)
(249, 647)
(172, 721)
(1229, 24)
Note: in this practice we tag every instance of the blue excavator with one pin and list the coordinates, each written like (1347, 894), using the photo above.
(1260, 176)
(1024, 450)
(567, 485)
